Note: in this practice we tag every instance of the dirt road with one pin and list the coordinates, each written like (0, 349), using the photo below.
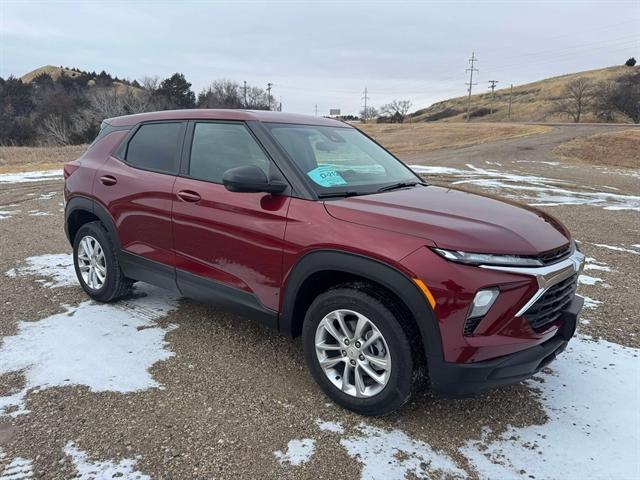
(160, 387)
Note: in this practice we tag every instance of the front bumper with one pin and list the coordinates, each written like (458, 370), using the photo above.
(465, 379)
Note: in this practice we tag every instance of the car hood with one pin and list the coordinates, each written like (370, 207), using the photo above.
(454, 219)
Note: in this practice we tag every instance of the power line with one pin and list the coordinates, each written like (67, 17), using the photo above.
(471, 69)
(608, 28)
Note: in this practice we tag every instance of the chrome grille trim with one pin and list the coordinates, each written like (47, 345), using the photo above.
(547, 276)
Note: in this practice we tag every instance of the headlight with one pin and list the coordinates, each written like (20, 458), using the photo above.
(488, 259)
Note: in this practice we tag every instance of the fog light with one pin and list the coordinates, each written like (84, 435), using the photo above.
(482, 302)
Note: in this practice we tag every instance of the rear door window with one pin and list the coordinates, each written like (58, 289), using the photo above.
(155, 147)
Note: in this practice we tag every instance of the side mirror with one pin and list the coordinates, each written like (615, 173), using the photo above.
(250, 179)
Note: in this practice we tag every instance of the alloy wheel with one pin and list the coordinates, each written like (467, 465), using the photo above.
(353, 353)
(91, 262)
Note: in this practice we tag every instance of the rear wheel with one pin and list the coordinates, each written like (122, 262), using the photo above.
(96, 264)
(358, 351)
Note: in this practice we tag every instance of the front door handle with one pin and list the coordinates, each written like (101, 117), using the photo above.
(189, 196)
(108, 180)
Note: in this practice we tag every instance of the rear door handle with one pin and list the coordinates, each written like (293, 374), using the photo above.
(108, 180)
(189, 196)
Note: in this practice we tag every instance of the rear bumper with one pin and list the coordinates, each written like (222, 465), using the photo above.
(464, 379)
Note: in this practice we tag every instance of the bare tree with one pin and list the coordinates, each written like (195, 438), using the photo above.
(150, 84)
(221, 94)
(257, 99)
(396, 110)
(55, 130)
(578, 95)
(369, 113)
(106, 103)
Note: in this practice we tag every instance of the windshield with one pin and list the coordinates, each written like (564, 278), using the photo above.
(340, 160)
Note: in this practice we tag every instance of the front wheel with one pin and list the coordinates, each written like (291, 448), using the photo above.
(358, 351)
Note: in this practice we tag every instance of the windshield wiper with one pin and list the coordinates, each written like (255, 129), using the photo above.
(395, 186)
(349, 193)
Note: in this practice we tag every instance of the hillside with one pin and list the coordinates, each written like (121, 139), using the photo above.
(54, 72)
(92, 78)
(530, 102)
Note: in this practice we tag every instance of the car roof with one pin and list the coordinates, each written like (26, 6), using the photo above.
(222, 114)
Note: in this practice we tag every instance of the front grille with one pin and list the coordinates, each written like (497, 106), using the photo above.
(555, 255)
(550, 306)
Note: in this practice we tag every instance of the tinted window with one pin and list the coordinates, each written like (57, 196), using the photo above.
(217, 147)
(154, 147)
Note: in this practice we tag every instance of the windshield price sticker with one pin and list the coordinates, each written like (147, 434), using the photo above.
(326, 176)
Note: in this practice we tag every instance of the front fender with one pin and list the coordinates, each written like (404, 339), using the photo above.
(374, 270)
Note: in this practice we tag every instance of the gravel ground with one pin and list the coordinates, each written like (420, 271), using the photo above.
(233, 393)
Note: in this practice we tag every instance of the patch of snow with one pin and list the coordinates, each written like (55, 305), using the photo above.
(555, 164)
(102, 469)
(593, 264)
(590, 302)
(58, 267)
(106, 347)
(8, 213)
(27, 177)
(47, 196)
(588, 280)
(393, 455)
(298, 452)
(592, 399)
(38, 213)
(535, 190)
(616, 248)
(18, 469)
(333, 427)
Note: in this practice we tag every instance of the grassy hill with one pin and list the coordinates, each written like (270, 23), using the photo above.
(54, 72)
(530, 102)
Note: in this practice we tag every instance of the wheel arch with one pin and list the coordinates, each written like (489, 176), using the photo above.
(80, 210)
(317, 269)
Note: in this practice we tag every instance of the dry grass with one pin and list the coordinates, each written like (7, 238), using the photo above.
(619, 149)
(53, 71)
(420, 137)
(23, 159)
(531, 102)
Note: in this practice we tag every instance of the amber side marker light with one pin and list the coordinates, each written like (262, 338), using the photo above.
(427, 293)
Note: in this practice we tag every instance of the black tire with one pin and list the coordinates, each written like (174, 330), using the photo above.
(392, 323)
(116, 285)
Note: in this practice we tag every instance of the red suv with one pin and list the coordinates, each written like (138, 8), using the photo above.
(312, 228)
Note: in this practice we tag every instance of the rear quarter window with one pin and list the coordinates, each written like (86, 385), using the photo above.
(154, 146)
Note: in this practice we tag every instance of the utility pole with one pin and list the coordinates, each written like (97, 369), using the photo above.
(315, 110)
(245, 94)
(510, 96)
(280, 104)
(492, 86)
(365, 111)
(471, 69)
(269, 85)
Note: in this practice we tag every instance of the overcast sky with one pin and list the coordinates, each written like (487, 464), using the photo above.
(323, 53)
